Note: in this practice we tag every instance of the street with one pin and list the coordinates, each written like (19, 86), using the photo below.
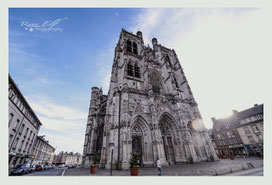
(50, 172)
(249, 172)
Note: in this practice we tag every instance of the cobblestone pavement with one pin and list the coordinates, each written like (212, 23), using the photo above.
(224, 166)
(249, 172)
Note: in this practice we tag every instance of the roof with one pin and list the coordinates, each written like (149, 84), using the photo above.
(257, 109)
(234, 119)
(45, 141)
(11, 81)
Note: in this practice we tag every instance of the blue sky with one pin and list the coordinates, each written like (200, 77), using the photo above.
(55, 69)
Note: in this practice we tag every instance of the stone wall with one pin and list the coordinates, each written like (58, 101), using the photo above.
(153, 113)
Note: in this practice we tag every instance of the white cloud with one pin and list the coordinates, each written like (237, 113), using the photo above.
(63, 126)
(44, 106)
(105, 60)
(222, 51)
(69, 143)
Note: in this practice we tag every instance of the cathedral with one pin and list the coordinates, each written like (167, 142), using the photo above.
(149, 109)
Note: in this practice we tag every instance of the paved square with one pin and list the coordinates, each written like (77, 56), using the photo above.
(224, 166)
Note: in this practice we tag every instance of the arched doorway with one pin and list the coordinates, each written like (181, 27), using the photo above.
(166, 126)
(137, 140)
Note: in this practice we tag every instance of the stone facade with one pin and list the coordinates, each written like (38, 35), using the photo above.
(67, 158)
(23, 127)
(149, 109)
(251, 129)
(240, 133)
(43, 152)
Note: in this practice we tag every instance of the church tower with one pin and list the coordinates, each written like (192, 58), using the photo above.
(149, 109)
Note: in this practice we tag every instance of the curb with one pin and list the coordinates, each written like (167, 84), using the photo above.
(235, 169)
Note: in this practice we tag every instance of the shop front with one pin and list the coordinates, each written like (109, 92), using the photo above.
(238, 150)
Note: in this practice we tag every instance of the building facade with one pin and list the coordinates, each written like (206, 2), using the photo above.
(241, 133)
(149, 109)
(43, 152)
(251, 130)
(67, 158)
(226, 136)
(23, 127)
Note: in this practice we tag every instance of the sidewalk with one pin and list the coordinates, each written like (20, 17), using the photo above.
(223, 166)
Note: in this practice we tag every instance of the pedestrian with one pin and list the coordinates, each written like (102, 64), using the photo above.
(159, 167)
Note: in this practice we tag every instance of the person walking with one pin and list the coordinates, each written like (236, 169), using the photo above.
(159, 167)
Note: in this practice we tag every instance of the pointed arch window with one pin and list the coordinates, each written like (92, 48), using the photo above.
(129, 46)
(135, 49)
(137, 71)
(132, 47)
(155, 82)
(129, 69)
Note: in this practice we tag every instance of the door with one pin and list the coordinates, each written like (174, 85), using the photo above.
(137, 146)
(165, 148)
(171, 150)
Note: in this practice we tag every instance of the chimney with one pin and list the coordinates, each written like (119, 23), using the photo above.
(213, 119)
(234, 112)
(154, 42)
(139, 34)
(255, 105)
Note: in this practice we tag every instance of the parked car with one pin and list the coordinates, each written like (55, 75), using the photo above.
(21, 169)
(70, 166)
(61, 166)
(38, 168)
(32, 168)
(46, 167)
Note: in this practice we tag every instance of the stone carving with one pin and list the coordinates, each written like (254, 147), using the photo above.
(153, 107)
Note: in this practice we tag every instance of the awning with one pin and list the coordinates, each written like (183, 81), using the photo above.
(12, 153)
(248, 148)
